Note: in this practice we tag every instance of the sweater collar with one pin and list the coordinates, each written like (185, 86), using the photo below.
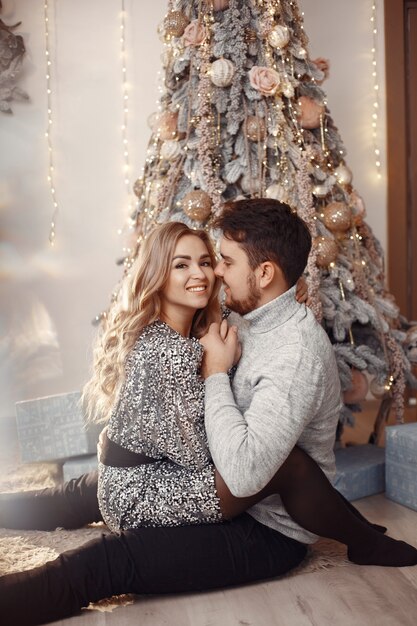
(274, 313)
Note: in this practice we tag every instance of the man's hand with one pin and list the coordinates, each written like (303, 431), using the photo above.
(221, 349)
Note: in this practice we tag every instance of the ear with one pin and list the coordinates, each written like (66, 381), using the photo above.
(267, 273)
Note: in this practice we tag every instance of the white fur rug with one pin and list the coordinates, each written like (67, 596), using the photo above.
(23, 549)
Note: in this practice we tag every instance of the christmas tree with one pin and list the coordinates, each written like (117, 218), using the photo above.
(243, 114)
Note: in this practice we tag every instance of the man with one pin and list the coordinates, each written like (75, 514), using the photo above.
(285, 391)
(286, 388)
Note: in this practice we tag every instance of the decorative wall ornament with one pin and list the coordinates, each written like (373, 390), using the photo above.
(12, 51)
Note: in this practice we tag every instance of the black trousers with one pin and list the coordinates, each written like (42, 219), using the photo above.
(70, 505)
(143, 561)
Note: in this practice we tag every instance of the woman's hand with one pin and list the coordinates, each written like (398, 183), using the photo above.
(301, 292)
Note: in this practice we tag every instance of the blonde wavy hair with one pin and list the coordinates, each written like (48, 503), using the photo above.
(139, 306)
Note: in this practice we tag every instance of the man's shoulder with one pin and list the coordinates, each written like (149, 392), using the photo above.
(315, 340)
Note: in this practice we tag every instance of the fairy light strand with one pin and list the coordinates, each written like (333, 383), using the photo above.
(48, 132)
(376, 97)
(125, 96)
(126, 167)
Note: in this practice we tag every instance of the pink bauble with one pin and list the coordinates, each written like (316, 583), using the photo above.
(167, 125)
(358, 389)
(220, 5)
(309, 112)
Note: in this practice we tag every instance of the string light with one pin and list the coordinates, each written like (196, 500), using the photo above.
(125, 103)
(48, 132)
(375, 114)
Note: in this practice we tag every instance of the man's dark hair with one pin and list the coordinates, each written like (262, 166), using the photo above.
(268, 230)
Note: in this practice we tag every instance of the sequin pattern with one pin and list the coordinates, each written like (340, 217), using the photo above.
(160, 412)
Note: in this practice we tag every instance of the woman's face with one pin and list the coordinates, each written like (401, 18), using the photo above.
(191, 278)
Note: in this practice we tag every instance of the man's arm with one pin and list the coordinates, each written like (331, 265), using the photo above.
(248, 448)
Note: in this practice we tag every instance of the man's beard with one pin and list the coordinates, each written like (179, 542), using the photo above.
(250, 302)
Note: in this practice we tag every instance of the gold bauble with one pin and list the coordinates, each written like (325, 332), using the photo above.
(255, 128)
(358, 389)
(138, 187)
(279, 37)
(327, 251)
(287, 89)
(154, 192)
(167, 125)
(175, 24)
(377, 389)
(197, 205)
(320, 191)
(277, 192)
(337, 217)
(222, 72)
(250, 184)
(170, 150)
(343, 175)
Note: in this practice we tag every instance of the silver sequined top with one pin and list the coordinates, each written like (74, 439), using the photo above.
(160, 413)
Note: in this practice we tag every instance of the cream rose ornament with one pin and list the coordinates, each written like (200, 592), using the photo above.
(194, 34)
(264, 79)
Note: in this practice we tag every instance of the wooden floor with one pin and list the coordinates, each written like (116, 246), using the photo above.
(340, 596)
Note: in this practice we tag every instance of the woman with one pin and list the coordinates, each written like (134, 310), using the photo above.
(155, 468)
(148, 359)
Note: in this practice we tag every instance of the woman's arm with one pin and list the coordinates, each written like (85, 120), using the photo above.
(161, 410)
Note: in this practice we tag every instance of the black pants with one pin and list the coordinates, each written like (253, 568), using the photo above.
(70, 505)
(144, 561)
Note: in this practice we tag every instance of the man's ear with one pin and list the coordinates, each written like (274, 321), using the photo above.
(267, 273)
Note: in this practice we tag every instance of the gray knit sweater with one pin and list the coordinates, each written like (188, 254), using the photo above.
(286, 391)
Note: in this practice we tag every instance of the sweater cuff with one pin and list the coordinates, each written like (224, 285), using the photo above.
(217, 383)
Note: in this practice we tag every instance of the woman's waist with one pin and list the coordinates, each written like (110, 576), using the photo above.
(114, 454)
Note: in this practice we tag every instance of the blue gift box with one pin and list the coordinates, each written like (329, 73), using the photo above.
(81, 465)
(53, 428)
(360, 471)
(401, 465)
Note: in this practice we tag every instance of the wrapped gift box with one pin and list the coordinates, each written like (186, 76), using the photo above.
(81, 465)
(54, 428)
(401, 465)
(360, 471)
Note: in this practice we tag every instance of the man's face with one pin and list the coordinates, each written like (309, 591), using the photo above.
(239, 280)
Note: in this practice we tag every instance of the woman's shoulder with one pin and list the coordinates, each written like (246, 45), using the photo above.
(158, 342)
